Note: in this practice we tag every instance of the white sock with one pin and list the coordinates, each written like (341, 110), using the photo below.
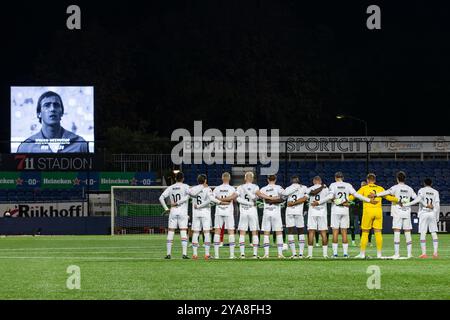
(255, 245)
(396, 243)
(423, 242)
(266, 245)
(291, 242)
(335, 248)
(435, 242)
(195, 243)
(310, 250)
(301, 244)
(280, 243)
(207, 242)
(232, 243)
(216, 245)
(170, 235)
(345, 247)
(184, 241)
(408, 243)
(242, 244)
(325, 250)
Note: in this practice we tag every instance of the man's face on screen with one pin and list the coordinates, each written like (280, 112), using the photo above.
(51, 110)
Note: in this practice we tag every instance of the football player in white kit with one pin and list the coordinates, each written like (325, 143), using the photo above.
(178, 217)
(248, 219)
(317, 215)
(401, 214)
(224, 214)
(272, 196)
(296, 197)
(429, 209)
(201, 214)
(340, 192)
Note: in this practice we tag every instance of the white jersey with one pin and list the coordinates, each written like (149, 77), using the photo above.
(177, 193)
(295, 192)
(272, 190)
(341, 192)
(404, 194)
(322, 197)
(202, 198)
(224, 191)
(247, 196)
(428, 195)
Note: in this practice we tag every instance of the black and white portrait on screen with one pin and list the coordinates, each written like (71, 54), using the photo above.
(52, 120)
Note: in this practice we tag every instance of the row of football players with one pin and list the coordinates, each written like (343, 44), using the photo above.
(340, 193)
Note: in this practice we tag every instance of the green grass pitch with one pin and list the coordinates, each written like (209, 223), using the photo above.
(132, 267)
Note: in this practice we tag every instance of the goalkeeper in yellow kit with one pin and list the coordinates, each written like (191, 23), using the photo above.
(372, 216)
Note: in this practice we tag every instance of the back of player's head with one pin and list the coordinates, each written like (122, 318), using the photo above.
(226, 176)
(428, 182)
(339, 175)
(47, 94)
(272, 178)
(249, 176)
(317, 180)
(401, 176)
(201, 178)
(295, 179)
(179, 176)
(371, 177)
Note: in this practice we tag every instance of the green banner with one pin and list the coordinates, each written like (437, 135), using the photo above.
(59, 180)
(10, 180)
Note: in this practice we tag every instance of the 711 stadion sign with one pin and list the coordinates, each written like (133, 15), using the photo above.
(46, 162)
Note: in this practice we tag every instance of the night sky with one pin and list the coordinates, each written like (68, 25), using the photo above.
(293, 65)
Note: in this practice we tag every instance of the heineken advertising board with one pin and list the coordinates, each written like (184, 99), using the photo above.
(98, 181)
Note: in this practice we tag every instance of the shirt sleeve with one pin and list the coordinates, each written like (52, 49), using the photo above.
(358, 195)
(242, 200)
(385, 193)
(328, 197)
(289, 190)
(194, 191)
(162, 198)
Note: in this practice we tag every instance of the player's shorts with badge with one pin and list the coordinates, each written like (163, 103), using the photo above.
(340, 221)
(224, 221)
(401, 220)
(295, 220)
(177, 220)
(372, 218)
(201, 221)
(317, 222)
(271, 220)
(427, 222)
(248, 220)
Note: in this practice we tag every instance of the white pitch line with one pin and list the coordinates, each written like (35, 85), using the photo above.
(73, 248)
(83, 258)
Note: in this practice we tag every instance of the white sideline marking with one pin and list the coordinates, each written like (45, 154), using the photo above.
(73, 248)
(83, 258)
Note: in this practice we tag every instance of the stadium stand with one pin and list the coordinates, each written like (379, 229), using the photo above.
(38, 195)
(354, 171)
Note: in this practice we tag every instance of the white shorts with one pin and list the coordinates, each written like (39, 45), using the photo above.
(427, 222)
(317, 222)
(401, 223)
(341, 221)
(201, 222)
(178, 221)
(219, 222)
(248, 220)
(271, 221)
(295, 220)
